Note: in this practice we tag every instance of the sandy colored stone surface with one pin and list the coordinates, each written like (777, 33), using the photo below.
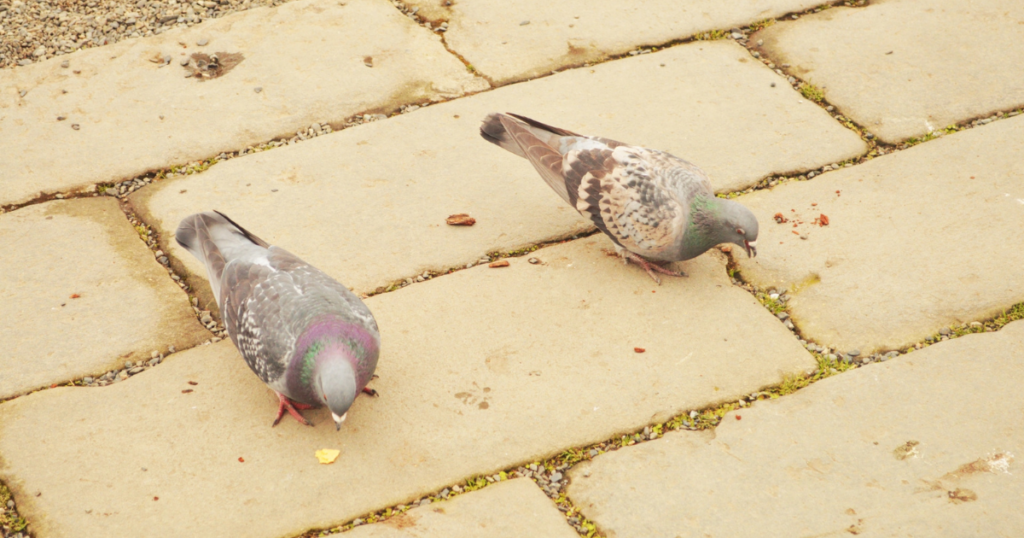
(512, 509)
(308, 58)
(126, 304)
(380, 192)
(491, 35)
(916, 241)
(928, 444)
(476, 376)
(902, 68)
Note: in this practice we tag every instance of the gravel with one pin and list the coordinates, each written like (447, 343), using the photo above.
(37, 30)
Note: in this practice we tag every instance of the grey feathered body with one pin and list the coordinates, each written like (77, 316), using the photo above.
(280, 312)
(649, 202)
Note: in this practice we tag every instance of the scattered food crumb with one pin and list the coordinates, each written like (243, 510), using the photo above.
(193, 383)
(241, 459)
(823, 220)
(460, 219)
(779, 218)
(499, 263)
(639, 349)
(739, 417)
(327, 455)
(75, 295)
(186, 391)
(156, 498)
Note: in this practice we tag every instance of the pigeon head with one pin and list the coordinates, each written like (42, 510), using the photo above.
(335, 386)
(739, 226)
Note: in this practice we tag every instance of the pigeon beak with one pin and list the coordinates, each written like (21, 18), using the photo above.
(338, 420)
(751, 247)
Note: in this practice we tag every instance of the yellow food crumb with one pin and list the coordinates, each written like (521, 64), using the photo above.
(327, 455)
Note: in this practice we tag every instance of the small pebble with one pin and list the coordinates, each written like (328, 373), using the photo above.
(61, 118)
(65, 64)
(184, 61)
(258, 89)
(202, 42)
(524, 23)
(74, 126)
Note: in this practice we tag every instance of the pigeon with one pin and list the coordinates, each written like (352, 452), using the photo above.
(654, 206)
(303, 333)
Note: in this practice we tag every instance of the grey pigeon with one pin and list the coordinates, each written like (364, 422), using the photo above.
(654, 206)
(303, 333)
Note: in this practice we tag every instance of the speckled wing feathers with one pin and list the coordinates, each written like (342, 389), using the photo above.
(625, 194)
(257, 296)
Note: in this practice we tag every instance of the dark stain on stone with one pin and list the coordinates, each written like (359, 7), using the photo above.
(209, 66)
(961, 495)
(906, 450)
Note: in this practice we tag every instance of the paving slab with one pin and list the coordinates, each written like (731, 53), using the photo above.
(304, 62)
(81, 294)
(917, 66)
(916, 241)
(510, 509)
(509, 41)
(476, 376)
(380, 192)
(924, 445)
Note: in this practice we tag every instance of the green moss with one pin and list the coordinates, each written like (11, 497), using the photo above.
(812, 92)
(713, 35)
(762, 24)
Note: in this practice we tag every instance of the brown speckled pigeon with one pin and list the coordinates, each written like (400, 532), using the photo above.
(654, 206)
(303, 333)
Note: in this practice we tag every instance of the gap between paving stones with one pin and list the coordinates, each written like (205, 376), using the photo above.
(440, 29)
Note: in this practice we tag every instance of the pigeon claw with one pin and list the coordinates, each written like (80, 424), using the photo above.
(287, 404)
(651, 268)
(370, 391)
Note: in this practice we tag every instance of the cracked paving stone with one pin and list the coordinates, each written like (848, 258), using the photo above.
(902, 68)
(917, 240)
(137, 116)
(381, 191)
(928, 444)
(475, 377)
(495, 38)
(81, 294)
(509, 509)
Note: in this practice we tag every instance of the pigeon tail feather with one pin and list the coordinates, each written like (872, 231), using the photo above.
(494, 132)
(215, 239)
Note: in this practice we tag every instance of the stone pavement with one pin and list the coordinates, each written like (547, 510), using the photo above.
(830, 385)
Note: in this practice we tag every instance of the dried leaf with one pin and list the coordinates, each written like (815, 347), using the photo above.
(499, 263)
(327, 455)
(460, 219)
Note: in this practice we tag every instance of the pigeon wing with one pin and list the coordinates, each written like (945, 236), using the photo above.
(630, 196)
